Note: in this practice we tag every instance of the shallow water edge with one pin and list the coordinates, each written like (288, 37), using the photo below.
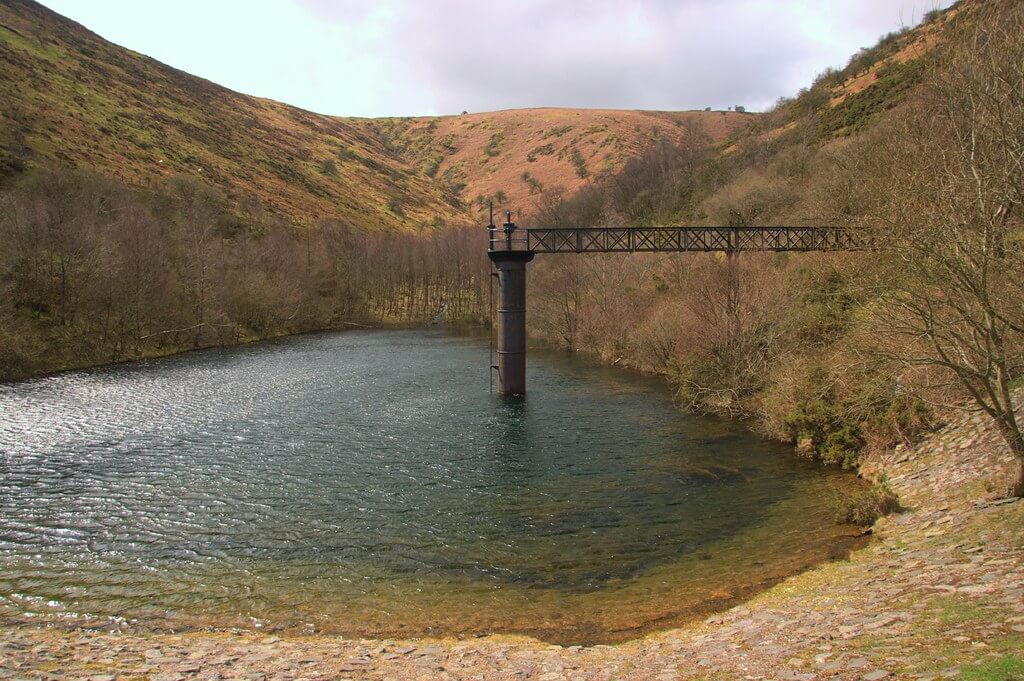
(366, 484)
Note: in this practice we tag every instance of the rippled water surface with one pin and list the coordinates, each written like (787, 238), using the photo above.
(367, 483)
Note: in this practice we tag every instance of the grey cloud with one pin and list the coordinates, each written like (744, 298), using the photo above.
(626, 55)
(449, 55)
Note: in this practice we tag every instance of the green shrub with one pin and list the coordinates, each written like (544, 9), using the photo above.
(494, 144)
(532, 182)
(903, 419)
(10, 165)
(856, 110)
(811, 419)
(834, 440)
(543, 150)
(448, 143)
(346, 154)
(842, 447)
(579, 162)
(866, 506)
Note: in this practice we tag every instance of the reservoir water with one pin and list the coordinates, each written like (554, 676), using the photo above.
(367, 483)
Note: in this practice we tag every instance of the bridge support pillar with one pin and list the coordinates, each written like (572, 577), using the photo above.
(511, 320)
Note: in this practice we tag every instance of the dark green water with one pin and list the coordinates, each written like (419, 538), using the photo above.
(367, 483)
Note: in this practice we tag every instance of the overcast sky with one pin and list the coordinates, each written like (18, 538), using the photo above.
(425, 57)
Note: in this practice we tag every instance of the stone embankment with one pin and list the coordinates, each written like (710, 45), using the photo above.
(938, 594)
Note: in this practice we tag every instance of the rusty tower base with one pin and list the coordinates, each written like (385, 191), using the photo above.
(511, 320)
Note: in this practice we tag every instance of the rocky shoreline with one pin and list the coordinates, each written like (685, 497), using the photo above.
(938, 594)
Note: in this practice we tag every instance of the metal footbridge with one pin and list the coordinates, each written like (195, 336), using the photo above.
(510, 248)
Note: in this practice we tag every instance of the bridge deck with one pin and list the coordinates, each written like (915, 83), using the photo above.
(677, 239)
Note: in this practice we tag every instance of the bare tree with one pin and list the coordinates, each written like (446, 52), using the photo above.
(731, 331)
(197, 209)
(953, 226)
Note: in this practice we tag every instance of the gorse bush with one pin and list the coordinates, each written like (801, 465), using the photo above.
(821, 430)
(579, 163)
(542, 150)
(854, 112)
(532, 183)
(864, 507)
(842, 446)
(493, 147)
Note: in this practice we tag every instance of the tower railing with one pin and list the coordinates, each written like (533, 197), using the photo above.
(690, 239)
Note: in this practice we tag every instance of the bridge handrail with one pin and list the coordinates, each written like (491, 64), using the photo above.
(677, 239)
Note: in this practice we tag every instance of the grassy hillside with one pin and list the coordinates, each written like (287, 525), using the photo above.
(68, 96)
(71, 97)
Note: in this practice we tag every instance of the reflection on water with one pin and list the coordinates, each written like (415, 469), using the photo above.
(367, 483)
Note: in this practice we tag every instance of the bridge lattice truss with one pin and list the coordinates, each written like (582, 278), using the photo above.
(679, 239)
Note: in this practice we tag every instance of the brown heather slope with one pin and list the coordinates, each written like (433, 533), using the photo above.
(525, 153)
(70, 97)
